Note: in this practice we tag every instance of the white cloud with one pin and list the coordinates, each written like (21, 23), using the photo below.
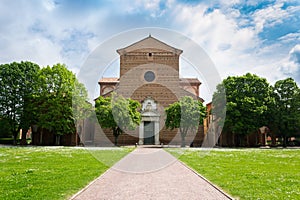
(42, 32)
(153, 8)
(290, 65)
(295, 54)
(47, 32)
(49, 4)
(220, 35)
(234, 44)
(272, 15)
(19, 41)
(37, 49)
(290, 37)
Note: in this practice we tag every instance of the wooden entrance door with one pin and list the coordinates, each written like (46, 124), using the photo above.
(148, 132)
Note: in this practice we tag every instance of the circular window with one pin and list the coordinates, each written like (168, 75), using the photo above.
(149, 76)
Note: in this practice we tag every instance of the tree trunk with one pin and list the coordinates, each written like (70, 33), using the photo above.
(23, 138)
(33, 138)
(273, 138)
(221, 140)
(116, 140)
(242, 140)
(239, 141)
(116, 135)
(248, 145)
(57, 140)
(15, 138)
(285, 141)
(182, 140)
(41, 137)
(257, 138)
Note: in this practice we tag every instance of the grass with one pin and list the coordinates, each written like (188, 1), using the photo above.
(249, 173)
(51, 173)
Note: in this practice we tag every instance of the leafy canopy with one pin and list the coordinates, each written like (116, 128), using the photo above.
(18, 82)
(185, 114)
(286, 107)
(247, 99)
(117, 113)
(54, 107)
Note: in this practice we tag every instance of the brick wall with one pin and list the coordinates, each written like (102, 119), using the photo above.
(152, 55)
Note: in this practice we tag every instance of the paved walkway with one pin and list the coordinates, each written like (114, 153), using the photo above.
(149, 173)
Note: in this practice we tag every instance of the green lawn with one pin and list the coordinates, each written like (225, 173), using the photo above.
(51, 173)
(249, 173)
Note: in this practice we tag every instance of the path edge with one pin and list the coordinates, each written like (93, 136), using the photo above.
(206, 180)
(88, 185)
(97, 178)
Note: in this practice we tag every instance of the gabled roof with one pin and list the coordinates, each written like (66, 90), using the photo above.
(149, 43)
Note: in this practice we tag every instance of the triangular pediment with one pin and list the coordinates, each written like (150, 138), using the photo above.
(149, 43)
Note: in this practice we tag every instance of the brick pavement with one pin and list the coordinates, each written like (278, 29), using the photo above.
(150, 173)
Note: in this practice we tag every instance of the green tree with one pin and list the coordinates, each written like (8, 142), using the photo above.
(247, 99)
(54, 103)
(270, 117)
(186, 114)
(29, 86)
(5, 131)
(33, 96)
(9, 97)
(17, 82)
(286, 112)
(117, 113)
(82, 109)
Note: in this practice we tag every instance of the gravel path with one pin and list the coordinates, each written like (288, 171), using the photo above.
(150, 173)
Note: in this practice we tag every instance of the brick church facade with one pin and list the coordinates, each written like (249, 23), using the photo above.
(149, 73)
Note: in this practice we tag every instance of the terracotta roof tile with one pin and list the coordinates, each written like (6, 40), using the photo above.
(190, 80)
(109, 80)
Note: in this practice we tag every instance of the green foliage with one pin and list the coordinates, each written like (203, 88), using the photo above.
(186, 114)
(82, 109)
(5, 131)
(219, 105)
(117, 113)
(17, 83)
(54, 103)
(252, 103)
(55, 106)
(104, 112)
(247, 99)
(285, 109)
(30, 95)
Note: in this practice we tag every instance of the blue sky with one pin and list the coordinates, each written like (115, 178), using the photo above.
(261, 37)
